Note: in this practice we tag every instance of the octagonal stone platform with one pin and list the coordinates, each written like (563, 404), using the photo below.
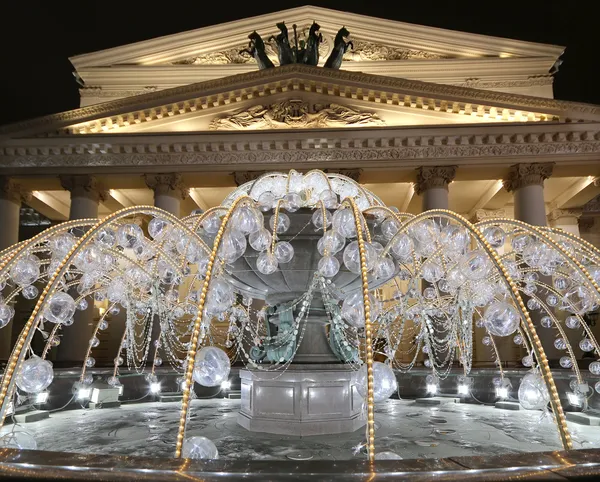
(304, 400)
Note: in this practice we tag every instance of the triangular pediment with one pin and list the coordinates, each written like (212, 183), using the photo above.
(302, 97)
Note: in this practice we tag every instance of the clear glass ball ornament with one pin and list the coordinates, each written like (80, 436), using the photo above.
(158, 361)
(106, 237)
(128, 235)
(260, 240)
(520, 242)
(353, 309)
(501, 318)
(351, 257)
(495, 236)
(26, 270)
(61, 244)
(116, 291)
(284, 252)
(454, 240)
(427, 363)
(332, 242)
(113, 381)
(533, 304)
(482, 292)
(283, 223)
(402, 246)
(30, 292)
(199, 448)
(386, 455)
(82, 305)
(211, 367)
(384, 382)
(212, 223)
(247, 220)
(54, 340)
(389, 227)
(572, 322)
(292, 201)
(518, 340)
(527, 361)
(233, 245)
(426, 232)
(560, 344)
(94, 342)
(486, 340)
(88, 379)
(586, 345)
(60, 308)
(119, 361)
(533, 394)
(35, 375)
(561, 283)
(343, 222)
(546, 322)
(552, 299)
(90, 362)
(578, 300)
(329, 198)
(157, 228)
(328, 266)
(317, 219)
(566, 362)
(220, 297)
(18, 440)
(432, 271)
(429, 293)
(266, 201)
(90, 258)
(384, 268)
(266, 263)
(476, 265)
(103, 325)
(6, 314)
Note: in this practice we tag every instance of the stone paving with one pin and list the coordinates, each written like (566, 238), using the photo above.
(150, 429)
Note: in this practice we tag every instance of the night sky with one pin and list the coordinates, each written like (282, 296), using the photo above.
(39, 36)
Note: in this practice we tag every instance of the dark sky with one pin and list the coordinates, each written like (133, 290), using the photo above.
(38, 36)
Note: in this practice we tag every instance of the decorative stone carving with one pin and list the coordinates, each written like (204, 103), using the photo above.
(434, 177)
(368, 51)
(167, 185)
(482, 214)
(592, 206)
(353, 174)
(476, 83)
(103, 93)
(242, 177)
(83, 186)
(586, 224)
(295, 114)
(13, 191)
(522, 175)
(557, 214)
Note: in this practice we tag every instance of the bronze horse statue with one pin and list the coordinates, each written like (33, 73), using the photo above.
(340, 46)
(285, 52)
(310, 55)
(256, 48)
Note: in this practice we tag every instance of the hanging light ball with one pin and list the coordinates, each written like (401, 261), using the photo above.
(30, 292)
(266, 201)
(501, 318)
(284, 252)
(199, 448)
(329, 198)
(384, 382)
(266, 263)
(18, 440)
(26, 270)
(128, 235)
(329, 266)
(211, 367)
(495, 236)
(283, 223)
(317, 219)
(533, 394)
(332, 242)
(586, 345)
(94, 342)
(233, 245)
(220, 297)
(35, 375)
(260, 240)
(59, 308)
(352, 257)
(6, 314)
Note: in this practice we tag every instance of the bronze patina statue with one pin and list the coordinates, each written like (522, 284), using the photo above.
(302, 52)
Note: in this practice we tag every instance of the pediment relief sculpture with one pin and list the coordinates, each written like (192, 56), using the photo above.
(292, 114)
(368, 51)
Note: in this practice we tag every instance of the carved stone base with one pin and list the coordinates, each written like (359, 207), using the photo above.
(304, 400)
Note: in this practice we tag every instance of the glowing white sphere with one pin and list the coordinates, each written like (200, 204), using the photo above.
(533, 394)
(384, 382)
(329, 266)
(260, 240)
(128, 235)
(211, 367)
(233, 245)
(501, 318)
(266, 263)
(283, 223)
(60, 308)
(352, 257)
(35, 375)
(220, 297)
(199, 448)
(116, 290)
(6, 314)
(332, 242)
(26, 270)
(18, 440)
(284, 252)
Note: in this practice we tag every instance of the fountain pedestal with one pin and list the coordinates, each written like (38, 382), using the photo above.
(304, 400)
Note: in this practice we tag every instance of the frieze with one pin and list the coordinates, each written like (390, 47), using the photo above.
(477, 83)
(240, 81)
(368, 51)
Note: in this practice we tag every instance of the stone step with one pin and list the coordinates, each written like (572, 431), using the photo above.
(508, 405)
(99, 405)
(436, 400)
(234, 395)
(582, 418)
(32, 416)
(170, 397)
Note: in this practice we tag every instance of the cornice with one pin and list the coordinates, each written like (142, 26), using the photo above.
(347, 148)
(184, 44)
(302, 77)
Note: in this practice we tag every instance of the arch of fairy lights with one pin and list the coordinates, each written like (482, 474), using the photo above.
(445, 274)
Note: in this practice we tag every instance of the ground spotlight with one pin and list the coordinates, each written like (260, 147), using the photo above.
(41, 397)
(502, 392)
(84, 393)
(155, 387)
(463, 389)
(432, 388)
(226, 385)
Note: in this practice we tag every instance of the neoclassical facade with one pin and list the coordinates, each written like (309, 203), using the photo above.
(425, 117)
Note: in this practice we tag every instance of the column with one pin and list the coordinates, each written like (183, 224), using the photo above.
(86, 194)
(169, 191)
(526, 182)
(11, 196)
(432, 186)
(566, 219)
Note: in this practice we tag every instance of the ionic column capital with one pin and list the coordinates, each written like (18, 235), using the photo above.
(83, 186)
(557, 214)
(434, 177)
(170, 184)
(523, 175)
(12, 191)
